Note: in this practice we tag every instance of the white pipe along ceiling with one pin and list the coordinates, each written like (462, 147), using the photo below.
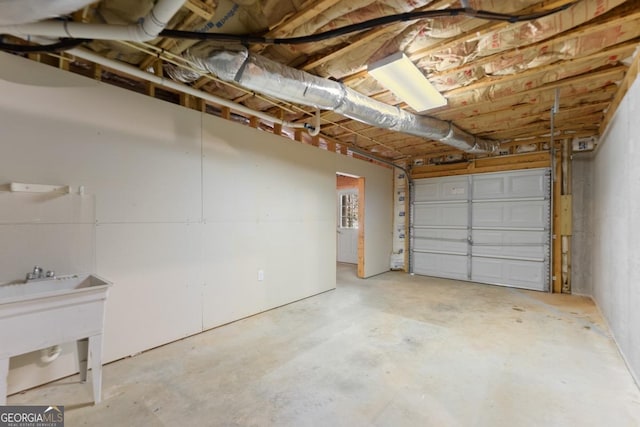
(161, 81)
(147, 29)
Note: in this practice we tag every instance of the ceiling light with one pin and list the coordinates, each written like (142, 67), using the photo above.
(398, 74)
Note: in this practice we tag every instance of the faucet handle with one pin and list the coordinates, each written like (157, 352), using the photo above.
(37, 270)
(51, 274)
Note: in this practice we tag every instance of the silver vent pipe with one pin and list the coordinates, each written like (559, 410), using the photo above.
(271, 78)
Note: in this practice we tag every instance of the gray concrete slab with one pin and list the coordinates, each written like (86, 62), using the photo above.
(392, 350)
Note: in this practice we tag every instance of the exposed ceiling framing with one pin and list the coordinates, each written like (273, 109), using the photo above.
(500, 79)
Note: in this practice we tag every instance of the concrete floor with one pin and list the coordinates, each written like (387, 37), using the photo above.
(393, 350)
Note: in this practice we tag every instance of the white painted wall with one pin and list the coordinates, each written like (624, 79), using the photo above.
(615, 226)
(181, 210)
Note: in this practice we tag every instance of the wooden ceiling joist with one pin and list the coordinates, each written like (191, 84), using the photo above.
(589, 63)
(598, 78)
(204, 9)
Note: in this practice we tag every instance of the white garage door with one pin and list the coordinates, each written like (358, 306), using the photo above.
(487, 228)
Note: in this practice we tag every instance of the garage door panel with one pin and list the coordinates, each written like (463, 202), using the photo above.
(534, 253)
(521, 184)
(514, 273)
(488, 228)
(440, 265)
(442, 189)
(508, 243)
(518, 214)
(441, 240)
(442, 215)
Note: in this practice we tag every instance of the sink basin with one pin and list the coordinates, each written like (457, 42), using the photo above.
(46, 312)
(43, 288)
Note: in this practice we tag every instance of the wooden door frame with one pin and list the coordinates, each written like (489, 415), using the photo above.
(360, 189)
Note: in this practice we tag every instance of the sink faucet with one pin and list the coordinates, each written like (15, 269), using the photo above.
(38, 273)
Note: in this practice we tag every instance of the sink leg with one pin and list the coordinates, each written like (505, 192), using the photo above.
(4, 372)
(83, 354)
(95, 350)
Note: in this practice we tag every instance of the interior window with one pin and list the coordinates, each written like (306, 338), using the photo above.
(349, 210)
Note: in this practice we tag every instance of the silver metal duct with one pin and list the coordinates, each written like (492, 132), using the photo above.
(263, 75)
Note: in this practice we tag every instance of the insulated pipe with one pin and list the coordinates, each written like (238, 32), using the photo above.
(315, 129)
(147, 29)
(161, 81)
(237, 64)
(23, 11)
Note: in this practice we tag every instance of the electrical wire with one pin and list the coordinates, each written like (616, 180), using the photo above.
(365, 25)
(60, 46)
(68, 43)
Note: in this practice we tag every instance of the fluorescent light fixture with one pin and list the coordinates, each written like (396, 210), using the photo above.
(398, 74)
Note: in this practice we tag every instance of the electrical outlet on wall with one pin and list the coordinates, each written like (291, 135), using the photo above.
(260, 275)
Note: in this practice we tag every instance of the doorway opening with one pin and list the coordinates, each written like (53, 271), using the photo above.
(350, 233)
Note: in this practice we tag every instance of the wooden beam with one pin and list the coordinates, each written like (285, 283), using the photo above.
(608, 75)
(353, 45)
(243, 98)
(254, 122)
(619, 51)
(200, 82)
(312, 8)
(481, 30)
(200, 8)
(540, 104)
(368, 36)
(361, 228)
(82, 15)
(225, 113)
(514, 120)
(484, 165)
(582, 30)
(542, 127)
(184, 99)
(97, 72)
(157, 69)
(467, 36)
(471, 169)
(63, 62)
(570, 34)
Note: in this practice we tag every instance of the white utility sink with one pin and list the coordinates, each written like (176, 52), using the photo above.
(46, 312)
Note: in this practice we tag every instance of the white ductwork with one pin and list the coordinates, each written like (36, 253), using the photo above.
(282, 82)
(14, 12)
(147, 29)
